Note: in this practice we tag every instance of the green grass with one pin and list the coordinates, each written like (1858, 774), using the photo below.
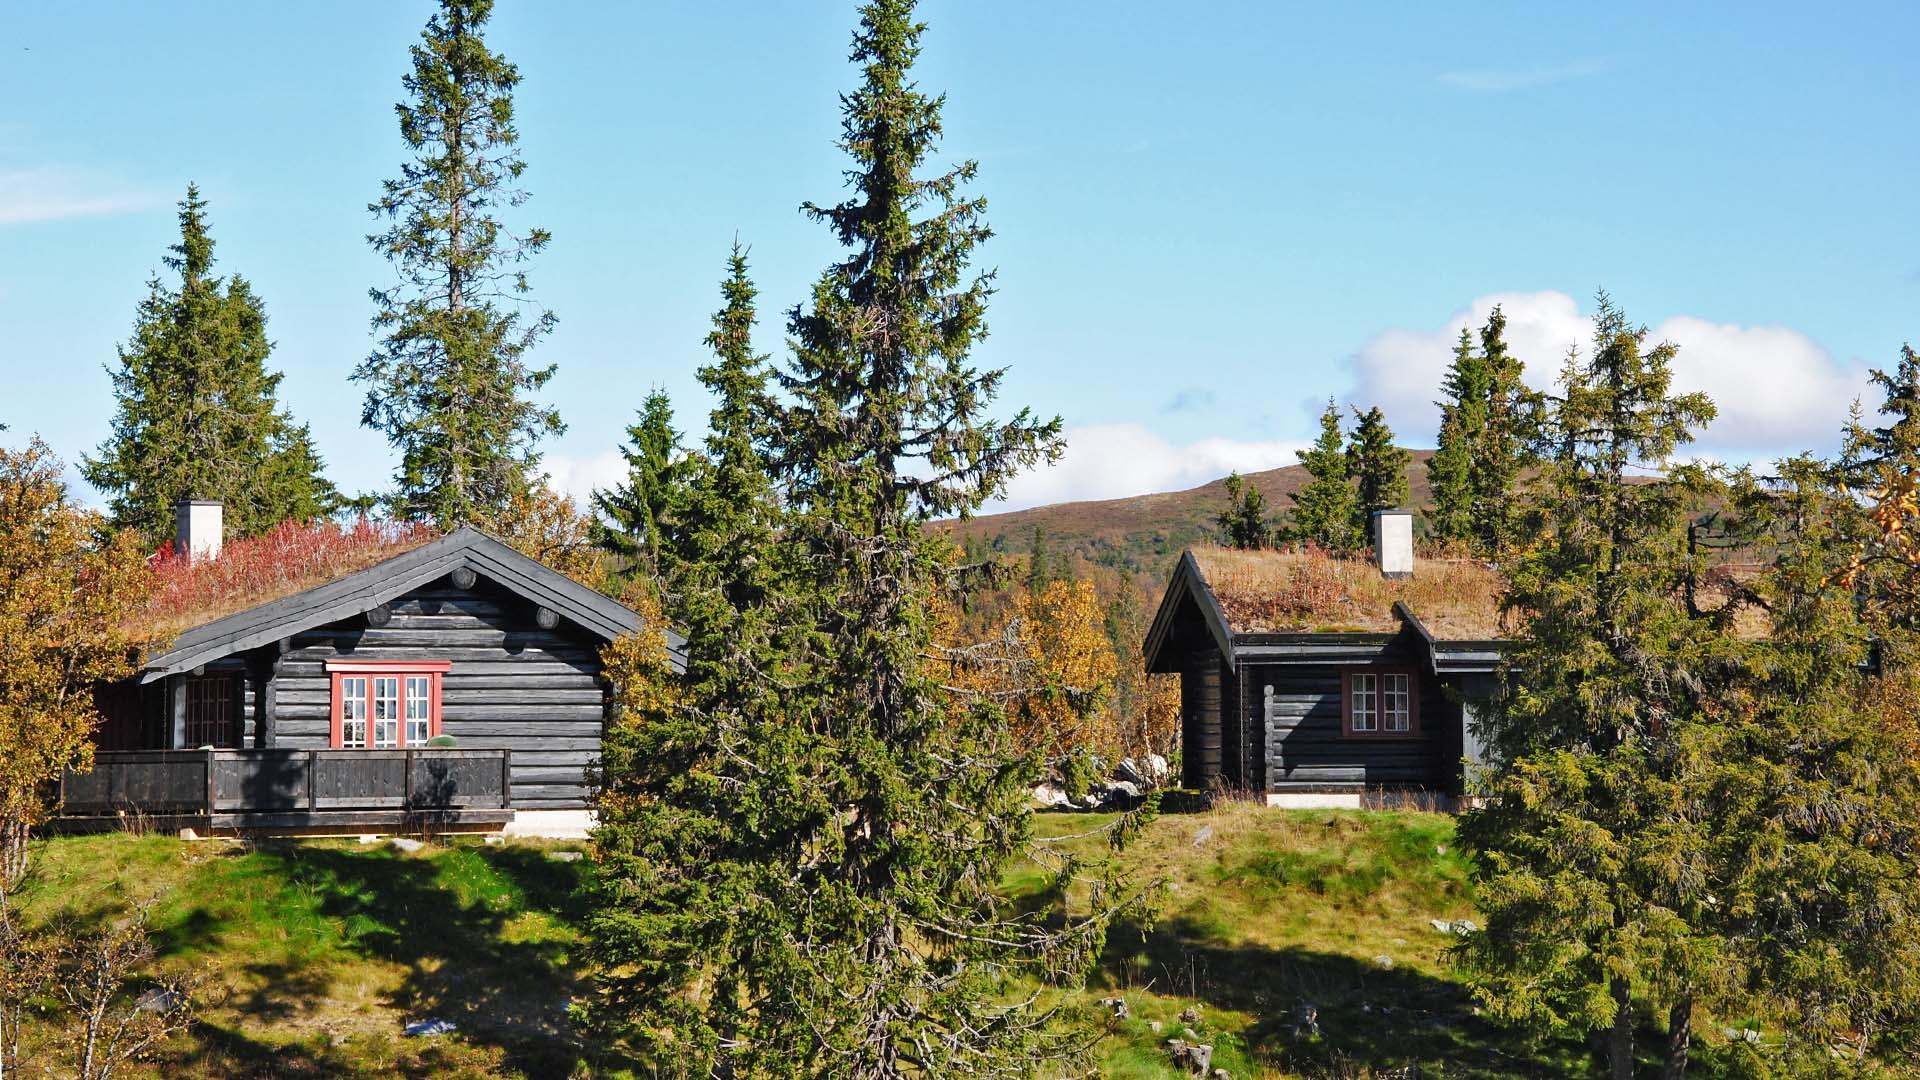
(328, 948)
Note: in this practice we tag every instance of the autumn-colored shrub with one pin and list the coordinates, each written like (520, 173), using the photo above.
(254, 570)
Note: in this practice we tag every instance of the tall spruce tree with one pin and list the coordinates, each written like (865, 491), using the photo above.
(449, 384)
(197, 416)
(1243, 524)
(635, 517)
(1462, 420)
(851, 925)
(1591, 848)
(1378, 469)
(682, 843)
(1501, 447)
(1323, 509)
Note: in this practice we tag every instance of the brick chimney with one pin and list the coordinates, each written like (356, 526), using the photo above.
(1393, 542)
(198, 528)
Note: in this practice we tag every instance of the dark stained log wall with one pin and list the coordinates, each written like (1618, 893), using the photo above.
(1307, 751)
(512, 685)
(1200, 728)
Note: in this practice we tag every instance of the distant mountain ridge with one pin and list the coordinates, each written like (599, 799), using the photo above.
(1145, 533)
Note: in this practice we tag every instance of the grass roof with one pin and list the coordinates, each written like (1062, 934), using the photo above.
(1310, 591)
(250, 571)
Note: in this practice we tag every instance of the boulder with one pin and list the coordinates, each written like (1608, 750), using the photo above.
(1383, 962)
(1190, 1014)
(1049, 795)
(1157, 768)
(1117, 1007)
(1130, 772)
(426, 1028)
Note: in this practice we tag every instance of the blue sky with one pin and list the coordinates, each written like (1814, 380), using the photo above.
(1210, 219)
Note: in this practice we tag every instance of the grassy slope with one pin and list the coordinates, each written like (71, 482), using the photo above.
(1146, 532)
(330, 947)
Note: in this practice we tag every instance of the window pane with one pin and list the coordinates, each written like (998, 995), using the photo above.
(353, 712)
(1361, 697)
(1398, 702)
(386, 711)
(419, 701)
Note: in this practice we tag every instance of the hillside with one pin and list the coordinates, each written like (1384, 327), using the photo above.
(1304, 942)
(1144, 533)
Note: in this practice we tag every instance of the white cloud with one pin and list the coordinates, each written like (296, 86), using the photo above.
(1776, 389)
(1502, 80)
(579, 476)
(45, 194)
(1111, 461)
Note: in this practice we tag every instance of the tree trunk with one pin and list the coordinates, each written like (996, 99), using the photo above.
(1679, 1037)
(1620, 1037)
(13, 853)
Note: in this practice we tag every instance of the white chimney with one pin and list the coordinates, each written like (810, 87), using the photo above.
(198, 526)
(1393, 542)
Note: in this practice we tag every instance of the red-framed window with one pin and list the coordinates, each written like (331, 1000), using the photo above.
(1378, 702)
(385, 705)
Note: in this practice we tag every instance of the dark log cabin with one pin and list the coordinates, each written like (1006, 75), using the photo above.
(455, 685)
(1317, 681)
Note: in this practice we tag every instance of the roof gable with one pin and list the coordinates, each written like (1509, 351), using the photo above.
(357, 592)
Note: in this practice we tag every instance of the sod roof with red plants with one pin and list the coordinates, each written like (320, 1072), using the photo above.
(291, 558)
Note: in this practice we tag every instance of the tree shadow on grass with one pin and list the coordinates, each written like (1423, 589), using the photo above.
(1368, 1016)
(469, 953)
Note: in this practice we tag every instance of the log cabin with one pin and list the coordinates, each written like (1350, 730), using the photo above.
(1313, 681)
(454, 685)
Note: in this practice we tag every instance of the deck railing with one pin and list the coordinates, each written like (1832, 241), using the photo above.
(288, 783)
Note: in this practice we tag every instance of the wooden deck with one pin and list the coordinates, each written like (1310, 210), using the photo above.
(292, 790)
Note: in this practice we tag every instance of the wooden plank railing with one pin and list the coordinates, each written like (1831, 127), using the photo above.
(280, 782)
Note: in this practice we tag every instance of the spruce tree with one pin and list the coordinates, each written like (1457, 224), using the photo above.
(1323, 509)
(1591, 849)
(450, 379)
(1243, 524)
(197, 416)
(847, 920)
(1501, 447)
(1378, 468)
(1462, 420)
(681, 842)
(1039, 561)
(636, 517)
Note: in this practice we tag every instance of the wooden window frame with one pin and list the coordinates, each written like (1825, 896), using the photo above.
(231, 701)
(434, 671)
(1380, 703)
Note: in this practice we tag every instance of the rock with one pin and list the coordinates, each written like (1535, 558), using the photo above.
(494, 840)
(1222, 1074)
(189, 834)
(1306, 1021)
(1157, 768)
(406, 844)
(366, 838)
(1456, 926)
(565, 856)
(159, 1000)
(1153, 1026)
(1049, 795)
(1122, 789)
(1383, 961)
(1117, 1006)
(1129, 772)
(1190, 1014)
(424, 1028)
(1189, 1034)
(1203, 835)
